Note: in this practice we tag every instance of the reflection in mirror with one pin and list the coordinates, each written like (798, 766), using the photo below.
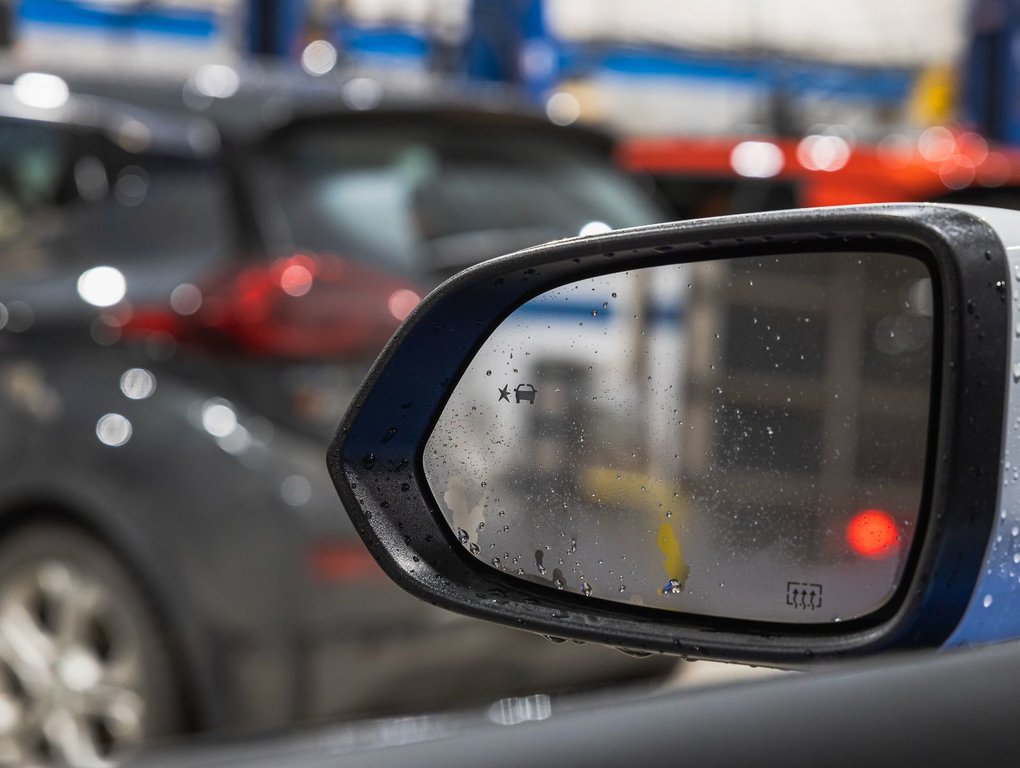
(740, 438)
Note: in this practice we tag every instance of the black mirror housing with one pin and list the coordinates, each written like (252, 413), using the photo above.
(376, 458)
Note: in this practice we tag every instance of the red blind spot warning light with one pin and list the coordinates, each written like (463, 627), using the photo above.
(873, 533)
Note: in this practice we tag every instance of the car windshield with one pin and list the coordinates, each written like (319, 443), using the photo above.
(429, 200)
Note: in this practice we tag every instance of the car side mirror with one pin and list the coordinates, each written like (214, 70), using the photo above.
(765, 438)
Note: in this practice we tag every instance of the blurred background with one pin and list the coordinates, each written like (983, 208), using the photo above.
(214, 213)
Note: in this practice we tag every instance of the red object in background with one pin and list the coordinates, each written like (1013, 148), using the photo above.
(342, 561)
(940, 161)
(873, 533)
(297, 307)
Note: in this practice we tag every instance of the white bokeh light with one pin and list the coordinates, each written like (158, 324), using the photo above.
(361, 93)
(218, 418)
(296, 490)
(102, 286)
(818, 152)
(318, 57)
(563, 108)
(186, 299)
(216, 81)
(113, 430)
(35, 89)
(595, 228)
(137, 383)
(757, 159)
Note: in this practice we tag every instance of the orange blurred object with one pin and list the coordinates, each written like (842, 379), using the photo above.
(828, 170)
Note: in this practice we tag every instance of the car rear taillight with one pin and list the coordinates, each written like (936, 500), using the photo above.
(301, 306)
(342, 561)
(873, 534)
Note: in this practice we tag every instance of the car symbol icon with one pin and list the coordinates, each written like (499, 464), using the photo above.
(525, 392)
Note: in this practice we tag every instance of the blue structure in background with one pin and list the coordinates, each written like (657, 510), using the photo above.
(147, 18)
(990, 87)
(381, 44)
(274, 27)
(510, 42)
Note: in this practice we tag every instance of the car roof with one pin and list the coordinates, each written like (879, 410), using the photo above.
(246, 103)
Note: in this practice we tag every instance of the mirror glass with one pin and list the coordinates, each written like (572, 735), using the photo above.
(742, 438)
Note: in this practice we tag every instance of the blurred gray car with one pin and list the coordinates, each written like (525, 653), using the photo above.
(194, 277)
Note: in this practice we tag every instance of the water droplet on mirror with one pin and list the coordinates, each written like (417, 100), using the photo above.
(586, 589)
(462, 536)
(614, 292)
(488, 373)
(987, 601)
(472, 548)
(673, 587)
(481, 526)
(623, 588)
(497, 563)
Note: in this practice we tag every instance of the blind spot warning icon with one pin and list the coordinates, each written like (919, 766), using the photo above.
(525, 392)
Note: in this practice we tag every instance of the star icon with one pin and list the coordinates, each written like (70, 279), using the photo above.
(504, 393)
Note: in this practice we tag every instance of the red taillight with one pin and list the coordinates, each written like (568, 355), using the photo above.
(342, 561)
(873, 533)
(300, 306)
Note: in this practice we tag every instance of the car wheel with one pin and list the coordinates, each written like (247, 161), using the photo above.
(84, 670)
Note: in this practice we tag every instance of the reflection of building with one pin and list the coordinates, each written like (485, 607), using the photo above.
(807, 395)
